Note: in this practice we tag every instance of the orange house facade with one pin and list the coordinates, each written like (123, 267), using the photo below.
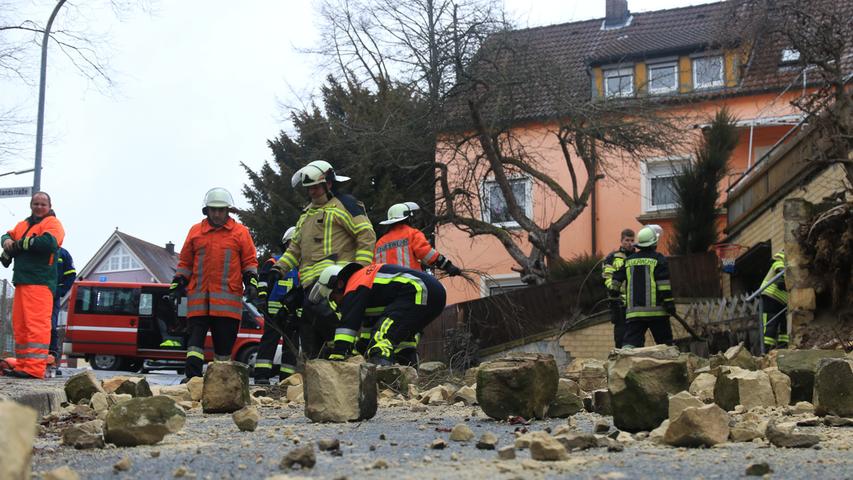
(669, 56)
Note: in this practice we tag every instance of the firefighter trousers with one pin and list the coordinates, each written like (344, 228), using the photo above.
(617, 318)
(403, 318)
(31, 312)
(224, 333)
(635, 331)
(274, 326)
(775, 323)
(316, 327)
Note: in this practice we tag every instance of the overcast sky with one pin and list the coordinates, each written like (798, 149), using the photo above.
(200, 85)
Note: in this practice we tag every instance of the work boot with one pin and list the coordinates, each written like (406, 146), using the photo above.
(262, 381)
(408, 357)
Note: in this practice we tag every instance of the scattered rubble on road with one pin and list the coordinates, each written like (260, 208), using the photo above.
(655, 407)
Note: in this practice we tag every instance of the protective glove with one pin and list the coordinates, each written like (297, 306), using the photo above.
(446, 265)
(340, 351)
(177, 289)
(452, 269)
(250, 287)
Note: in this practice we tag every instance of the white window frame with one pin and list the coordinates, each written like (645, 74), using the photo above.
(659, 91)
(649, 169)
(120, 252)
(528, 201)
(487, 283)
(789, 55)
(618, 72)
(716, 84)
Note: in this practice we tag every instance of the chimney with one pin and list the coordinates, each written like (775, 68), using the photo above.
(616, 13)
(170, 248)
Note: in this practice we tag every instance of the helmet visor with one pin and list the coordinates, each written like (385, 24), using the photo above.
(319, 293)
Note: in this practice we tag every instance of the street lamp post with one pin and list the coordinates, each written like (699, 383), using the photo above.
(42, 82)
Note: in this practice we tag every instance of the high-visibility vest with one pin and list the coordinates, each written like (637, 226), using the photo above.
(406, 246)
(776, 290)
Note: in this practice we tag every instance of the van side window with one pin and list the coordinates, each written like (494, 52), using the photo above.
(146, 304)
(107, 300)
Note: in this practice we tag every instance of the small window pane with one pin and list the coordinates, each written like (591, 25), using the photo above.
(663, 191)
(619, 83)
(497, 207)
(708, 72)
(146, 304)
(790, 55)
(662, 78)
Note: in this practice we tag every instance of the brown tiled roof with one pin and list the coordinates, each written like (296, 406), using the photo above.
(550, 65)
(161, 263)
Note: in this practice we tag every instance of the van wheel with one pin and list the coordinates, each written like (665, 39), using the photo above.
(105, 362)
(248, 355)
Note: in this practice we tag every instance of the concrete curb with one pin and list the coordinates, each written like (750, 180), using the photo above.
(43, 397)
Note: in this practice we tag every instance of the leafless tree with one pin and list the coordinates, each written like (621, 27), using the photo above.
(592, 137)
(423, 43)
(74, 36)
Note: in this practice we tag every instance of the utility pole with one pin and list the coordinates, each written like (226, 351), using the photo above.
(42, 85)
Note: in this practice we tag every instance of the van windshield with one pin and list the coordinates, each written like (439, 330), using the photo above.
(107, 300)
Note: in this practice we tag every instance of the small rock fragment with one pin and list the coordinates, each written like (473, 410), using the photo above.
(246, 418)
(461, 433)
(181, 471)
(487, 441)
(544, 447)
(61, 473)
(601, 426)
(758, 469)
(379, 464)
(438, 444)
(784, 437)
(304, 457)
(329, 444)
(506, 453)
(122, 465)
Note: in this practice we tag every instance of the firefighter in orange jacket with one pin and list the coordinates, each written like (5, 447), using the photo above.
(407, 299)
(218, 260)
(406, 246)
(33, 244)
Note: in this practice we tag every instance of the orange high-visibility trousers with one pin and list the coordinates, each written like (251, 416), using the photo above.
(31, 320)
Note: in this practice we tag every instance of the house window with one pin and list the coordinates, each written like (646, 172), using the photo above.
(501, 284)
(495, 210)
(659, 183)
(708, 72)
(789, 56)
(619, 82)
(120, 260)
(663, 78)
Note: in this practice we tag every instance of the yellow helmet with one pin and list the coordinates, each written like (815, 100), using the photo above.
(646, 237)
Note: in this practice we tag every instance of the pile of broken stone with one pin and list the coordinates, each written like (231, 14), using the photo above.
(654, 394)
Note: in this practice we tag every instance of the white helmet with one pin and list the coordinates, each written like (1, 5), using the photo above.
(217, 197)
(315, 173)
(656, 228)
(288, 234)
(647, 236)
(328, 279)
(399, 212)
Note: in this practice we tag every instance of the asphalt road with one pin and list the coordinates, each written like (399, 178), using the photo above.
(211, 447)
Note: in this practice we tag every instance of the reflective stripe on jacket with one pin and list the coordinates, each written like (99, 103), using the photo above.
(278, 291)
(406, 246)
(777, 290)
(335, 233)
(646, 279)
(214, 260)
(614, 262)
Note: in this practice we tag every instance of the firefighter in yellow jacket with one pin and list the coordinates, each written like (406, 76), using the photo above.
(332, 230)
(774, 301)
